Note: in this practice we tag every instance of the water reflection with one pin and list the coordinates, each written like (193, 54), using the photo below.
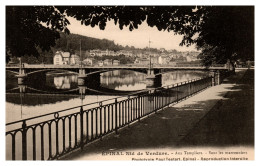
(64, 82)
(61, 91)
(180, 76)
(61, 82)
(123, 80)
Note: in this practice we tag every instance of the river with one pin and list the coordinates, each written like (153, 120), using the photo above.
(61, 91)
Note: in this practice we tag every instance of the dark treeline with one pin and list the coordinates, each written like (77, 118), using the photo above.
(71, 42)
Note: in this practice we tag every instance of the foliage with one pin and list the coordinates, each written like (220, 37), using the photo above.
(227, 33)
(221, 32)
(29, 27)
(72, 42)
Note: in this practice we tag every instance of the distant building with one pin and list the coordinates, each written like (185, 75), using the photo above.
(163, 59)
(95, 52)
(89, 61)
(162, 49)
(74, 59)
(190, 58)
(172, 63)
(142, 61)
(65, 58)
(98, 52)
(100, 63)
(111, 53)
(61, 58)
(108, 62)
(116, 62)
(58, 59)
(154, 60)
(124, 52)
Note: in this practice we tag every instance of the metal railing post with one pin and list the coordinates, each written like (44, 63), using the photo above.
(169, 96)
(81, 128)
(139, 108)
(42, 144)
(116, 118)
(128, 108)
(24, 141)
(162, 104)
(177, 87)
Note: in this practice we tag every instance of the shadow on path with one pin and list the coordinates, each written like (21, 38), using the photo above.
(219, 116)
(230, 122)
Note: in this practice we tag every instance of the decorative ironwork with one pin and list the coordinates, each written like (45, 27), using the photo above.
(56, 115)
(55, 134)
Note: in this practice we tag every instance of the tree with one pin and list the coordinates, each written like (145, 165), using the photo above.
(222, 33)
(29, 27)
(226, 34)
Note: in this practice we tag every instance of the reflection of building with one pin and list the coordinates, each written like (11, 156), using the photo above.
(58, 82)
(120, 78)
(64, 82)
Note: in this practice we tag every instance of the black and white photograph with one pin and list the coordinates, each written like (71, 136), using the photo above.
(129, 83)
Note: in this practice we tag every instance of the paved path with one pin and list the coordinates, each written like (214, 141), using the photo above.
(231, 121)
(219, 116)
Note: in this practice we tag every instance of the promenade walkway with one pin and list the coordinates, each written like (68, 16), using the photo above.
(219, 116)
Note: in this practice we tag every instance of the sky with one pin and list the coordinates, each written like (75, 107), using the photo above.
(138, 38)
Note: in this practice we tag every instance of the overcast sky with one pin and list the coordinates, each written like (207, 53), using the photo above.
(138, 38)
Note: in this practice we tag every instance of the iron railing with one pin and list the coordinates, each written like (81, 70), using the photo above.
(52, 135)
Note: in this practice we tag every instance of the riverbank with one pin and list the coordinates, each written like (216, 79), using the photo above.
(210, 118)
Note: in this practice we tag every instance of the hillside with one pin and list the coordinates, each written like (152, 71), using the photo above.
(71, 42)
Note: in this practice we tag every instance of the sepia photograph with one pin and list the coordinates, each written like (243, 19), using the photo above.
(129, 83)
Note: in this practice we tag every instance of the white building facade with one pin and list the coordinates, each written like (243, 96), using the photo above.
(65, 58)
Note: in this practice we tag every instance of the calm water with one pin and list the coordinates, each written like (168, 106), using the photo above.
(59, 92)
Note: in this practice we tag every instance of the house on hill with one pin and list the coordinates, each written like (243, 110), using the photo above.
(100, 63)
(142, 61)
(65, 58)
(61, 58)
(108, 62)
(163, 59)
(116, 62)
(89, 61)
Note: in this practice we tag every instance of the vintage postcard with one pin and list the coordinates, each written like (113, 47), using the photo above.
(129, 83)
